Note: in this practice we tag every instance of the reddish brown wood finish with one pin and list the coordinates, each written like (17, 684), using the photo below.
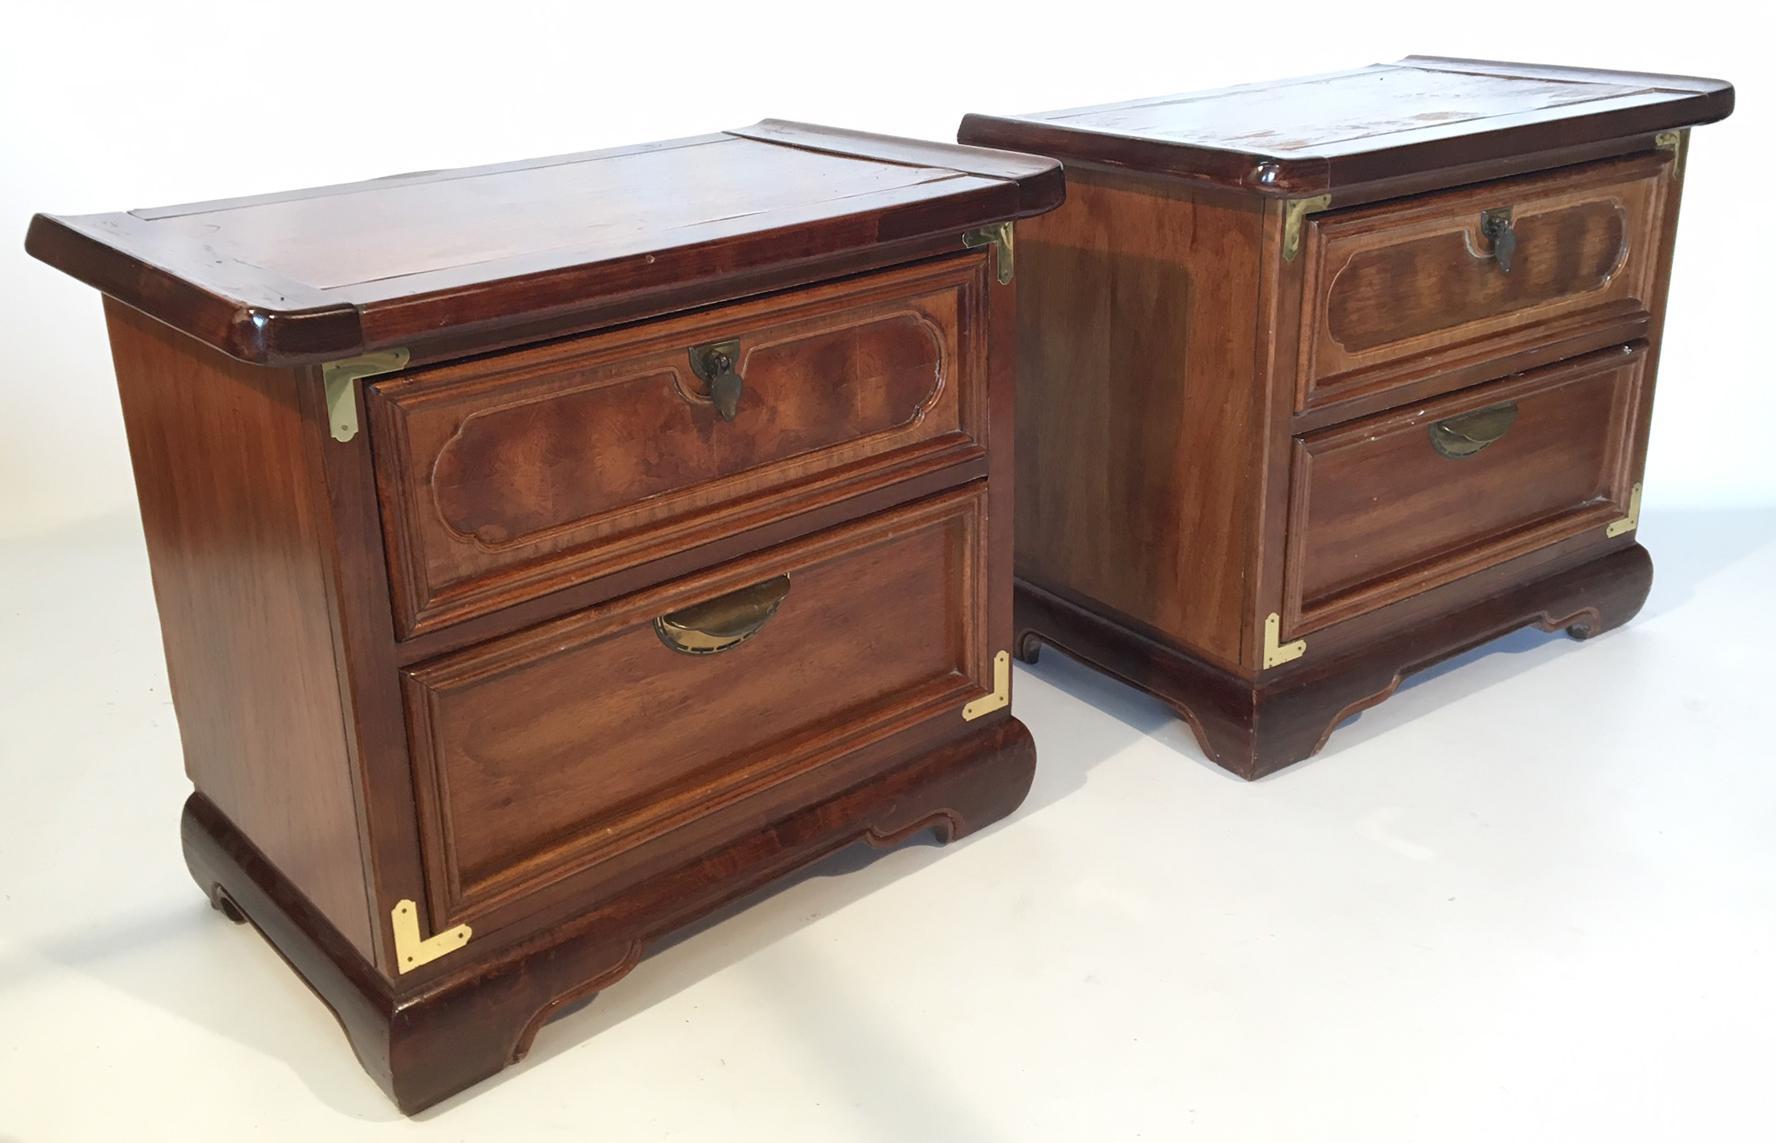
(422, 664)
(1377, 514)
(237, 525)
(448, 262)
(1375, 132)
(559, 750)
(1241, 328)
(1397, 291)
(508, 476)
(1150, 418)
(427, 1044)
(1254, 730)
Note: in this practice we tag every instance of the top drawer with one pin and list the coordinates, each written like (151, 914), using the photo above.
(508, 476)
(1400, 290)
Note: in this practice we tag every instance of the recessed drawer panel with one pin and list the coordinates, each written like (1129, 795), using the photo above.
(1405, 289)
(561, 750)
(512, 475)
(1389, 506)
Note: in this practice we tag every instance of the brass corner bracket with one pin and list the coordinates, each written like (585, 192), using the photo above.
(1673, 141)
(1001, 696)
(1294, 211)
(337, 377)
(1275, 653)
(1629, 522)
(999, 237)
(410, 951)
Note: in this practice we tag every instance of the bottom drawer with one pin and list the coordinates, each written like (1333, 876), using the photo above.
(1392, 505)
(542, 754)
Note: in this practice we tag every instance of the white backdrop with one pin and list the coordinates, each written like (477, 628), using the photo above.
(1527, 898)
(110, 107)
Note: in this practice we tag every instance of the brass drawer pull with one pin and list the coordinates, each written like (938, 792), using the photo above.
(722, 623)
(1456, 437)
(717, 365)
(1495, 227)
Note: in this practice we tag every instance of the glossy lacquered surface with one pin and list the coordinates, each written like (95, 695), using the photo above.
(541, 246)
(583, 747)
(513, 474)
(1402, 289)
(1371, 131)
(481, 692)
(1231, 487)
(1377, 513)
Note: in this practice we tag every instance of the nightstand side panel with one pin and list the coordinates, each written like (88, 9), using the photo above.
(232, 502)
(1140, 417)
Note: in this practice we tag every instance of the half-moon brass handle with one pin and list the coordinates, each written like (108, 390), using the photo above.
(1456, 437)
(722, 623)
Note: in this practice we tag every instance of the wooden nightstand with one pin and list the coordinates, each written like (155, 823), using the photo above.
(1326, 380)
(550, 552)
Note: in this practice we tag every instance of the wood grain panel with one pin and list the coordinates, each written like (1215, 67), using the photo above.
(234, 512)
(1371, 133)
(1400, 292)
(428, 1042)
(554, 749)
(451, 262)
(1306, 485)
(508, 476)
(478, 217)
(1378, 514)
(1453, 280)
(1138, 349)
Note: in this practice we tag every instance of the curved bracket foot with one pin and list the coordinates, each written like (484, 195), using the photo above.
(1256, 726)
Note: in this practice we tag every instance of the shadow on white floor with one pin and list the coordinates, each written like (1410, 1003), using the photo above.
(106, 939)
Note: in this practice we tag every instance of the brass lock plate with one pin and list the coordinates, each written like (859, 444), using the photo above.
(717, 365)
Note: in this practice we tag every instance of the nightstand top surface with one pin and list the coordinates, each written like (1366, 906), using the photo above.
(1309, 134)
(340, 270)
